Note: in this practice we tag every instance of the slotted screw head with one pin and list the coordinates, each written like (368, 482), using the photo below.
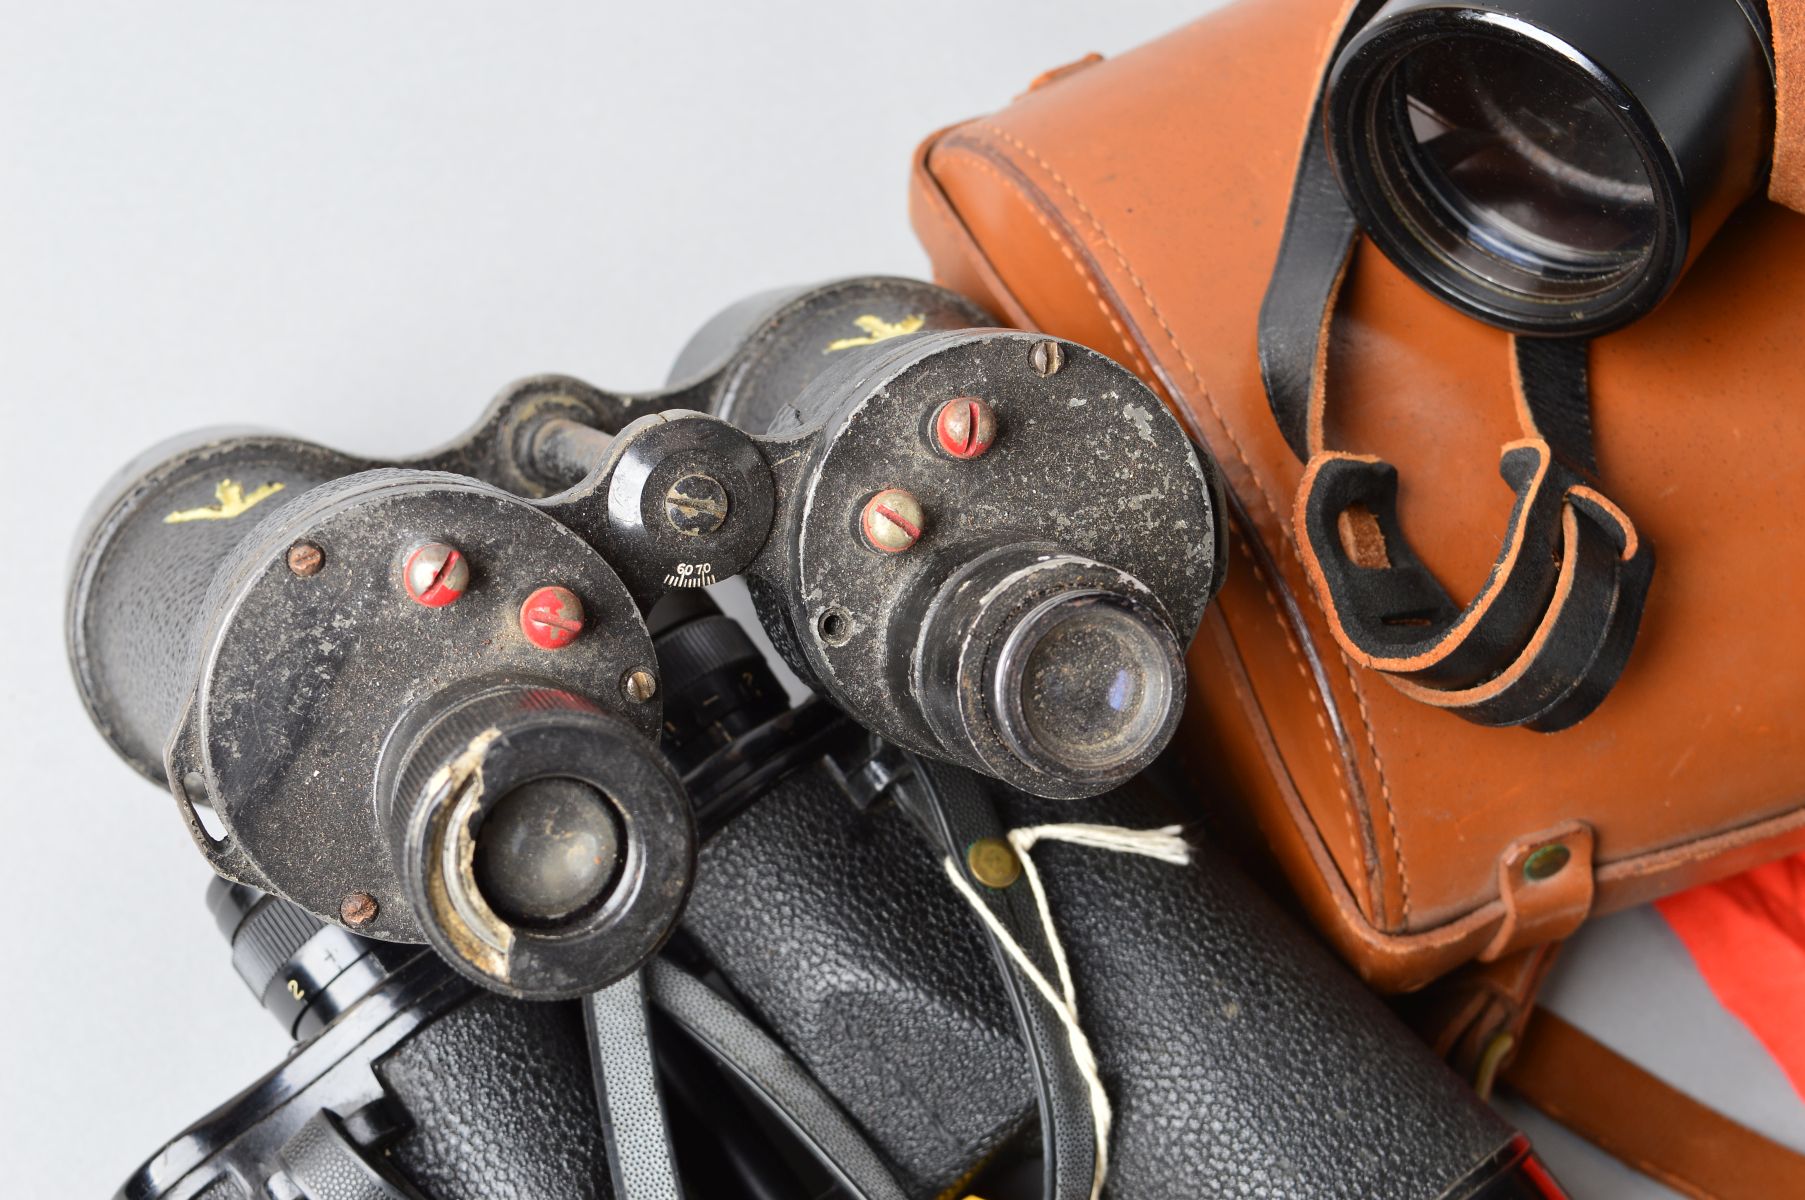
(696, 504)
(891, 521)
(1047, 358)
(305, 559)
(640, 685)
(965, 427)
(551, 618)
(435, 574)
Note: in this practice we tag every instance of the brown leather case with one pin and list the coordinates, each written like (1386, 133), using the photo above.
(1135, 204)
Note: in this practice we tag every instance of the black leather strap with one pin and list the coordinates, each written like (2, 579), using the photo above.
(626, 1091)
(791, 1094)
(953, 811)
(1556, 389)
(1313, 256)
(1550, 632)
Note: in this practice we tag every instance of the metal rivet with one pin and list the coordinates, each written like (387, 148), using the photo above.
(305, 559)
(695, 505)
(891, 521)
(551, 618)
(992, 862)
(1047, 358)
(640, 685)
(358, 909)
(1546, 862)
(435, 574)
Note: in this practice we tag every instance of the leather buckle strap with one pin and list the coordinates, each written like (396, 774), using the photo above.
(1547, 635)
(1550, 632)
(1655, 1128)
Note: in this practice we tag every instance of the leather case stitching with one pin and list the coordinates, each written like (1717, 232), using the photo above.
(1246, 462)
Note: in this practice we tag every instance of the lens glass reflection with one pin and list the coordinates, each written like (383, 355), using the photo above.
(1095, 684)
(548, 849)
(1515, 168)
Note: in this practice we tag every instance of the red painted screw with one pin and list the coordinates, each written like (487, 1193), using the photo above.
(891, 521)
(965, 427)
(435, 575)
(551, 618)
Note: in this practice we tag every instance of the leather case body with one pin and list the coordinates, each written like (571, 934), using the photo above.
(1136, 204)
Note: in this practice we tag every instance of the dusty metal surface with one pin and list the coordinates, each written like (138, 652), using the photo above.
(1085, 461)
(300, 681)
(265, 616)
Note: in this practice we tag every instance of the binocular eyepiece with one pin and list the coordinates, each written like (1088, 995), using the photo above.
(543, 841)
(1051, 666)
(1546, 166)
(985, 546)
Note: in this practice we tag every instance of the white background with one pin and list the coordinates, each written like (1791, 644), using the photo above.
(356, 222)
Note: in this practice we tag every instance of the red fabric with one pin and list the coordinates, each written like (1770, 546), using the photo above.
(1747, 935)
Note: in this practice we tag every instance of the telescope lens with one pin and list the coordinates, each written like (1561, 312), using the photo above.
(1545, 166)
(547, 850)
(1510, 165)
(1085, 685)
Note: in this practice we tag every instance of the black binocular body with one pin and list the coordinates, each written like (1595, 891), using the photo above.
(985, 546)
(480, 701)
(1234, 1048)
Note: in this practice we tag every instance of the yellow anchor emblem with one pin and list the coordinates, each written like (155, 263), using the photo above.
(876, 330)
(232, 500)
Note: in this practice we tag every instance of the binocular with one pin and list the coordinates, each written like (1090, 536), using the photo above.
(466, 742)
(985, 546)
(481, 701)
(876, 1044)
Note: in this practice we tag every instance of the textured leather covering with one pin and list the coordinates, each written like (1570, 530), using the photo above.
(634, 1125)
(148, 552)
(321, 1162)
(955, 810)
(844, 936)
(502, 1108)
(1136, 205)
(790, 1093)
(1239, 1058)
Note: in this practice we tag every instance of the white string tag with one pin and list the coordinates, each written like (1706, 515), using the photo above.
(1166, 844)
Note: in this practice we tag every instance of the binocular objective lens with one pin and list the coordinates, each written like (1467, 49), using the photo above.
(1086, 685)
(547, 850)
(1511, 165)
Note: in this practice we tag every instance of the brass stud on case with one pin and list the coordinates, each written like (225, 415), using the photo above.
(1546, 862)
(992, 862)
